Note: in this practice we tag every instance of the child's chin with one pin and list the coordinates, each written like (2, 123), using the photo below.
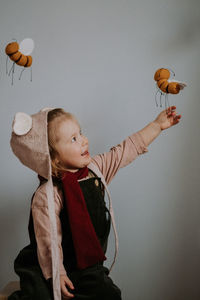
(88, 161)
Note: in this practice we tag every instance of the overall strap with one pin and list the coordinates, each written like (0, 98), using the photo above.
(96, 170)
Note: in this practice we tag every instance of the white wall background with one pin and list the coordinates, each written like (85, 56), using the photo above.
(97, 59)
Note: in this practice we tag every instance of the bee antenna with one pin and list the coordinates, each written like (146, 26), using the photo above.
(172, 72)
(9, 42)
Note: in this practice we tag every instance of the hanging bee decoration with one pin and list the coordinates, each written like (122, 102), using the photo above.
(19, 55)
(166, 84)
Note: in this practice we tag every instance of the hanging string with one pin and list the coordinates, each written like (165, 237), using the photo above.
(160, 99)
(7, 65)
(156, 98)
(11, 69)
(31, 73)
(13, 73)
(21, 73)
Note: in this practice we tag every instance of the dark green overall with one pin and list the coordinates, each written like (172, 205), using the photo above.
(92, 283)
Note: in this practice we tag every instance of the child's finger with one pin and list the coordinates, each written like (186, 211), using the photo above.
(66, 293)
(169, 113)
(177, 119)
(67, 297)
(176, 122)
(171, 108)
(172, 113)
(69, 284)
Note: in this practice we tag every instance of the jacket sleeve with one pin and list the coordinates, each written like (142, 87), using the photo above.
(120, 156)
(42, 230)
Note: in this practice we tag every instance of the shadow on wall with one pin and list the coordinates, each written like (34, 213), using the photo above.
(187, 186)
(187, 33)
(15, 229)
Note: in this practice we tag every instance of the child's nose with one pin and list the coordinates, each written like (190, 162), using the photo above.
(85, 140)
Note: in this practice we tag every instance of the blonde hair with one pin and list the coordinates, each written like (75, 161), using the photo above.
(55, 117)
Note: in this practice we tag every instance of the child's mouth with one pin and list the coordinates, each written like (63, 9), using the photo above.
(85, 153)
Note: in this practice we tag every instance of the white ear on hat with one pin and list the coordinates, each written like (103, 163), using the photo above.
(22, 123)
(46, 108)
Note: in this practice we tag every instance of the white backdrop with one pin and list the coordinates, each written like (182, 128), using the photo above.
(97, 60)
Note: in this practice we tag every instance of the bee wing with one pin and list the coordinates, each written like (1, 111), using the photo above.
(26, 46)
(181, 84)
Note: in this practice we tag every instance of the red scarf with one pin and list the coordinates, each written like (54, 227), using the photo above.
(87, 246)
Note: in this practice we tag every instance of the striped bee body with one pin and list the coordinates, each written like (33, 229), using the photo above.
(19, 54)
(12, 50)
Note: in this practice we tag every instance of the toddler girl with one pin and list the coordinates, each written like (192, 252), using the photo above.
(69, 220)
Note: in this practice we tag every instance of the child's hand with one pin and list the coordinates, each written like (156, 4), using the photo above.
(168, 118)
(65, 281)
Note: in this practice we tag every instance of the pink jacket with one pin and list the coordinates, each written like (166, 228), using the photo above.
(108, 163)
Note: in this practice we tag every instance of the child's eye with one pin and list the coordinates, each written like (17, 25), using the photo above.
(73, 139)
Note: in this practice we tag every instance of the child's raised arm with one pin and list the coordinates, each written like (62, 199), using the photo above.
(124, 153)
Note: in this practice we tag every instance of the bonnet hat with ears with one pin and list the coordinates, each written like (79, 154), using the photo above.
(29, 142)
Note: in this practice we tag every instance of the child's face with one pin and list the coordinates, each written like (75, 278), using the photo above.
(72, 146)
